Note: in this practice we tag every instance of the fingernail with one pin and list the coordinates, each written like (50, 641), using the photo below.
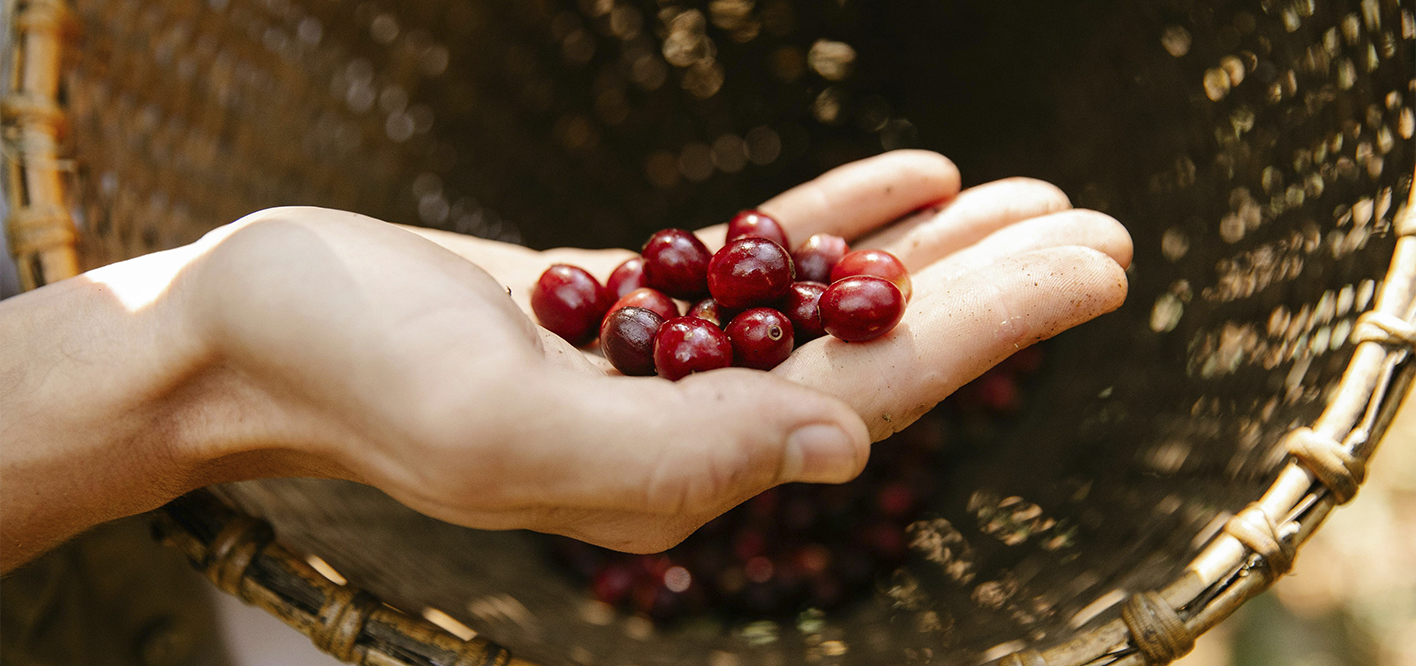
(819, 453)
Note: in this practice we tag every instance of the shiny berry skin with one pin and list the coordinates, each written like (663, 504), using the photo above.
(874, 262)
(627, 277)
(648, 299)
(676, 263)
(755, 224)
(817, 256)
(762, 338)
(627, 340)
(801, 307)
(710, 309)
(861, 307)
(570, 303)
(686, 345)
(749, 272)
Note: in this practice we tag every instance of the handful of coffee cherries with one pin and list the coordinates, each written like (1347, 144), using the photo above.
(753, 301)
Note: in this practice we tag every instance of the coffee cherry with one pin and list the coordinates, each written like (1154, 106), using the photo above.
(648, 299)
(710, 310)
(895, 499)
(762, 338)
(612, 583)
(749, 272)
(627, 277)
(800, 306)
(997, 391)
(627, 340)
(874, 262)
(755, 224)
(676, 263)
(686, 345)
(569, 302)
(817, 256)
(861, 307)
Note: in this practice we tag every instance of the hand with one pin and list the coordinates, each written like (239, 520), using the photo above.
(308, 342)
(457, 406)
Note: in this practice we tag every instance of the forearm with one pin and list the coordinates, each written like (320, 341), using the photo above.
(111, 403)
(85, 367)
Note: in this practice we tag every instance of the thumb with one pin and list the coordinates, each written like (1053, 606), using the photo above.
(706, 443)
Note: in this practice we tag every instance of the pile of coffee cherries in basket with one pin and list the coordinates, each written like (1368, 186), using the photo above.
(749, 305)
(802, 547)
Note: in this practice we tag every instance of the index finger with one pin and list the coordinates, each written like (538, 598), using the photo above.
(857, 198)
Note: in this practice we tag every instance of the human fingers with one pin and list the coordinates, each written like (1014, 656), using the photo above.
(684, 451)
(1081, 228)
(957, 326)
(854, 199)
(977, 212)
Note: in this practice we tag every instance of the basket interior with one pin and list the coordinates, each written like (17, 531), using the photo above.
(1257, 151)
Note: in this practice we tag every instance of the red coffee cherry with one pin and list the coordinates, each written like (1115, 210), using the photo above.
(569, 302)
(762, 338)
(748, 272)
(861, 307)
(755, 224)
(817, 256)
(686, 345)
(612, 582)
(627, 277)
(676, 263)
(874, 262)
(627, 340)
(648, 299)
(801, 307)
(710, 310)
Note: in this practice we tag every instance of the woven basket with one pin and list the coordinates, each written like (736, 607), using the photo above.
(1169, 466)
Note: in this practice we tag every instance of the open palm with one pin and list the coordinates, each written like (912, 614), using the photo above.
(996, 268)
(389, 360)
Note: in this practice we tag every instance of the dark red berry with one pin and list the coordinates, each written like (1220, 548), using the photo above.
(1026, 360)
(895, 499)
(648, 299)
(762, 338)
(755, 224)
(817, 256)
(676, 263)
(686, 345)
(764, 504)
(997, 391)
(627, 340)
(749, 272)
(749, 543)
(627, 277)
(874, 262)
(861, 307)
(801, 306)
(710, 310)
(569, 302)
(613, 582)
(887, 541)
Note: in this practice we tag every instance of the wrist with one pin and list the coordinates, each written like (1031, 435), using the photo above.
(112, 402)
(84, 363)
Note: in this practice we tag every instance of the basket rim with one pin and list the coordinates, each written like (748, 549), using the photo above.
(1256, 547)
